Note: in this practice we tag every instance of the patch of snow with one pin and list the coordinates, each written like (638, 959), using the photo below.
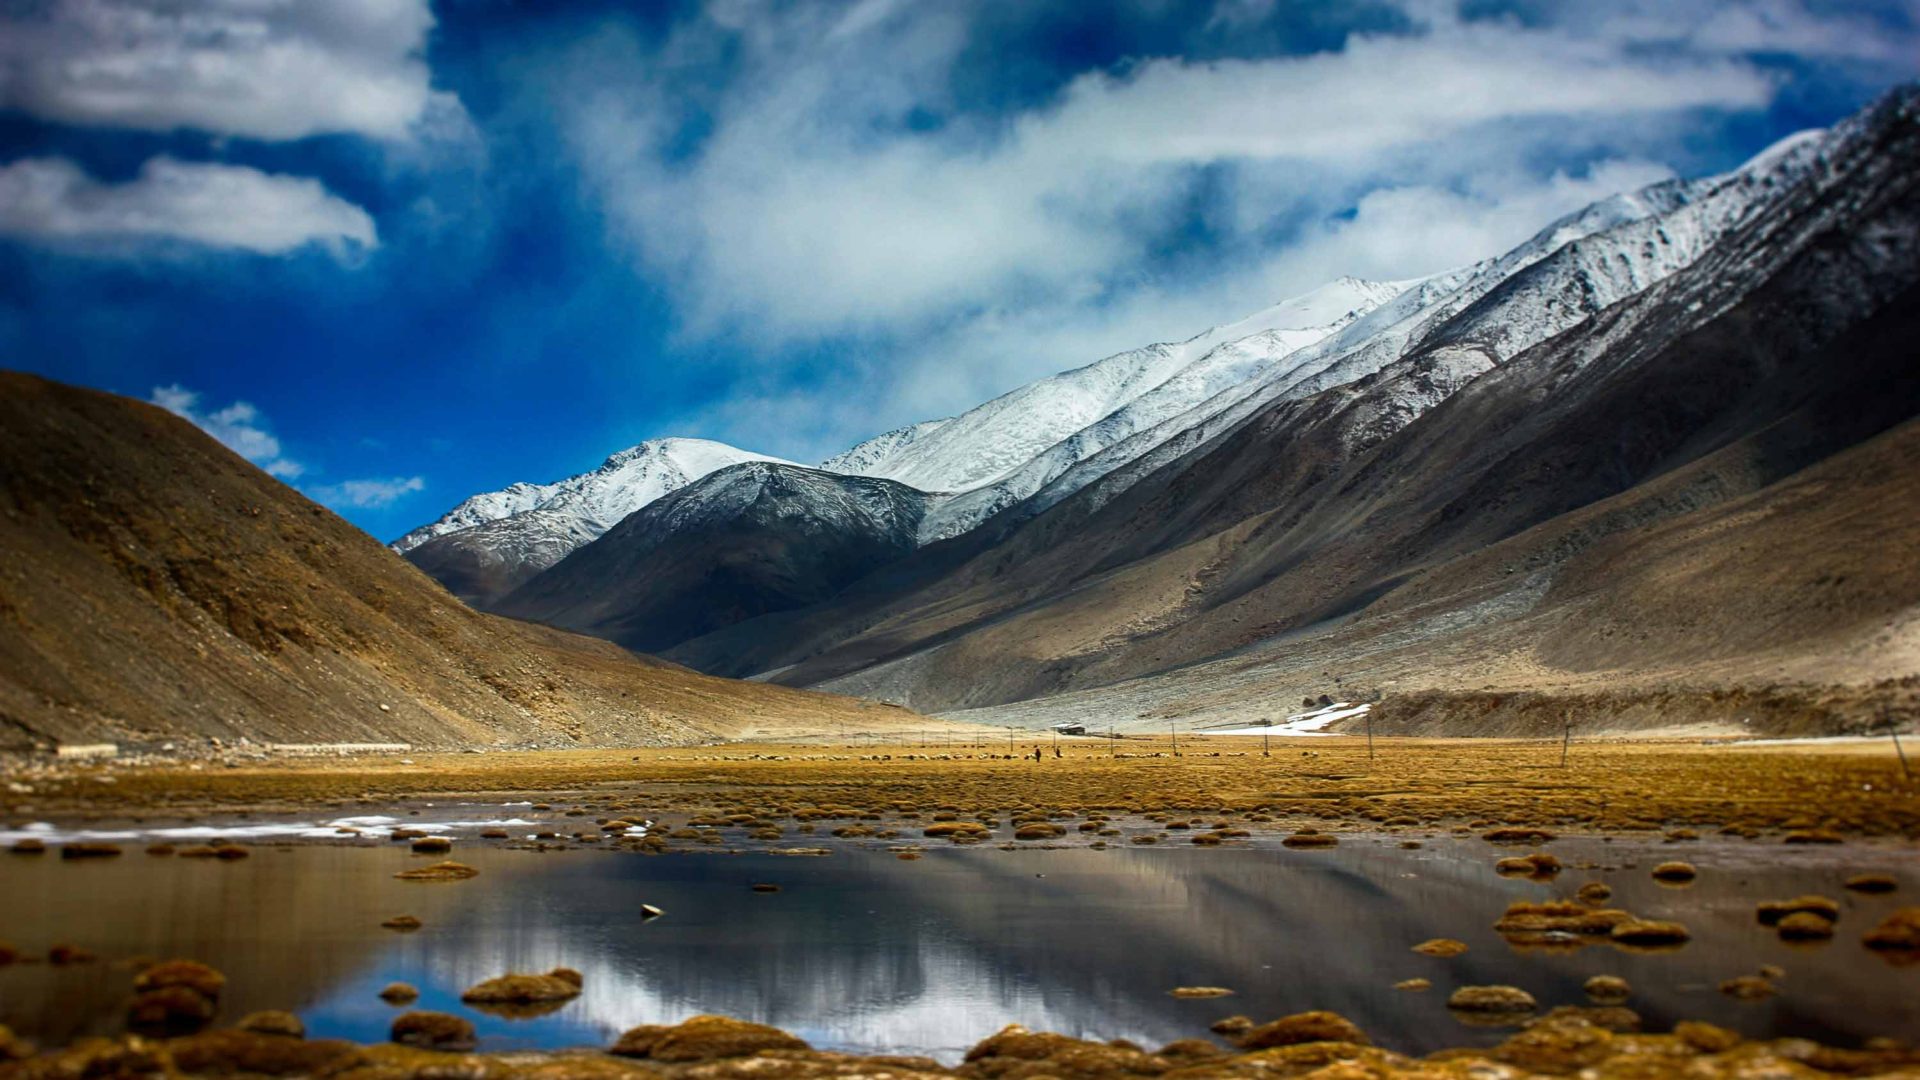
(1306, 724)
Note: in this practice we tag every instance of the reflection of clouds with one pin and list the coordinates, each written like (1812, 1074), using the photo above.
(930, 996)
(863, 951)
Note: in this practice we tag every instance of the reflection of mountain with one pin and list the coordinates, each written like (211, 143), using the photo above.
(283, 926)
(863, 951)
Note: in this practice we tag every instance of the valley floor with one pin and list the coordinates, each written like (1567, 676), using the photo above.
(1761, 789)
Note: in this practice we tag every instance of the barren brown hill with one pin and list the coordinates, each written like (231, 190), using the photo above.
(157, 587)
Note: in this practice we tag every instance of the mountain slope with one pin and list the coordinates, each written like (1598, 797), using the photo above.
(741, 542)
(158, 587)
(991, 442)
(1770, 345)
(538, 525)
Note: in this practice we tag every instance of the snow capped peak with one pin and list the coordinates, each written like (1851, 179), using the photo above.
(1785, 150)
(863, 456)
(991, 443)
(683, 453)
(590, 503)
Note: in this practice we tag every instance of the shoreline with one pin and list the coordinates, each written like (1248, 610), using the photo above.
(1592, 1041)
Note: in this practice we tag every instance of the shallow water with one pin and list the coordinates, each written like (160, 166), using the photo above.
(863, 951)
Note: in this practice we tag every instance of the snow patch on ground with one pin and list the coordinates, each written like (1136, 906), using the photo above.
(1301, 724)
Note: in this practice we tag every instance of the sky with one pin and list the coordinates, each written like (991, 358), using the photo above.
(399, 251)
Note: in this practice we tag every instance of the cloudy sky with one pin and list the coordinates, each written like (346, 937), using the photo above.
(397, 251)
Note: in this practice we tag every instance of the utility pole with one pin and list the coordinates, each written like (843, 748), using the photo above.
(1369, 732)
(1893, 731)
(1173, 728)
(1266, 733)
(1566, 737)
(1113, 741)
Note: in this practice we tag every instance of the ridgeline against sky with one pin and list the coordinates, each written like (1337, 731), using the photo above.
(396, 252)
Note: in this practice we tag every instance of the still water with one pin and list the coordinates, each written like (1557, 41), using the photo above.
(863, 951)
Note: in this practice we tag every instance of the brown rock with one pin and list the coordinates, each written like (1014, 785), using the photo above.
(1872, 883)
(273, 1022)
(433, 1031)
(1706, 1038)
(1805, 926)
(1441, 947)
(401, 922)
(440, 871)
(1563, 1046)
(560, 984)
(1748, 988)
(1492, 999)
(1772, 912)
(191, 974)
(1539, 864)
(1615, 1018)
(1607, 988)
(1675, 872)
(1231, 1025)
(1650, 932)
(1512, 835)
(1306, 1027)
(399, 993)
(236, 1052)
(1898, 932)
(702, 1038)
(1199, 991)
(432, 845)
(169, 1010)
(1414, 984)
(1564, 916)
(88, 849)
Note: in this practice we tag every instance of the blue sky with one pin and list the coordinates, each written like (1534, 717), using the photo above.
(398, 251)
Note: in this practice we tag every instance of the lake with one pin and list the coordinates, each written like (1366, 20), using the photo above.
(863, 951)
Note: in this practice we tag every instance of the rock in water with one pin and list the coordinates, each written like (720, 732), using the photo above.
(433, 1031)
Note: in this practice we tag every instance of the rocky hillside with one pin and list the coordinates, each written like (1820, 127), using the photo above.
(739, 543)
(157, 587)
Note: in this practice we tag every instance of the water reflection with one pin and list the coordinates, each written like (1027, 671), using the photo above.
(863, 951)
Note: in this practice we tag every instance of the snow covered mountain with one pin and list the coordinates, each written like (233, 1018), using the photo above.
(1188, 374)
(748, 540)
(862, 457)
(1626, 468)
(494, 541)
(1091, 433)
(993, 441)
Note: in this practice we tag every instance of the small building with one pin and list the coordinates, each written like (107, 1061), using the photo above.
(1069, 728)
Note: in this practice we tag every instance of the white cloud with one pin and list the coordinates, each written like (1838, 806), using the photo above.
(219, 206)
(367, 494)
(239, 427)
(810, 210)
(242, 428)
(1415, 230)
(267, 69)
